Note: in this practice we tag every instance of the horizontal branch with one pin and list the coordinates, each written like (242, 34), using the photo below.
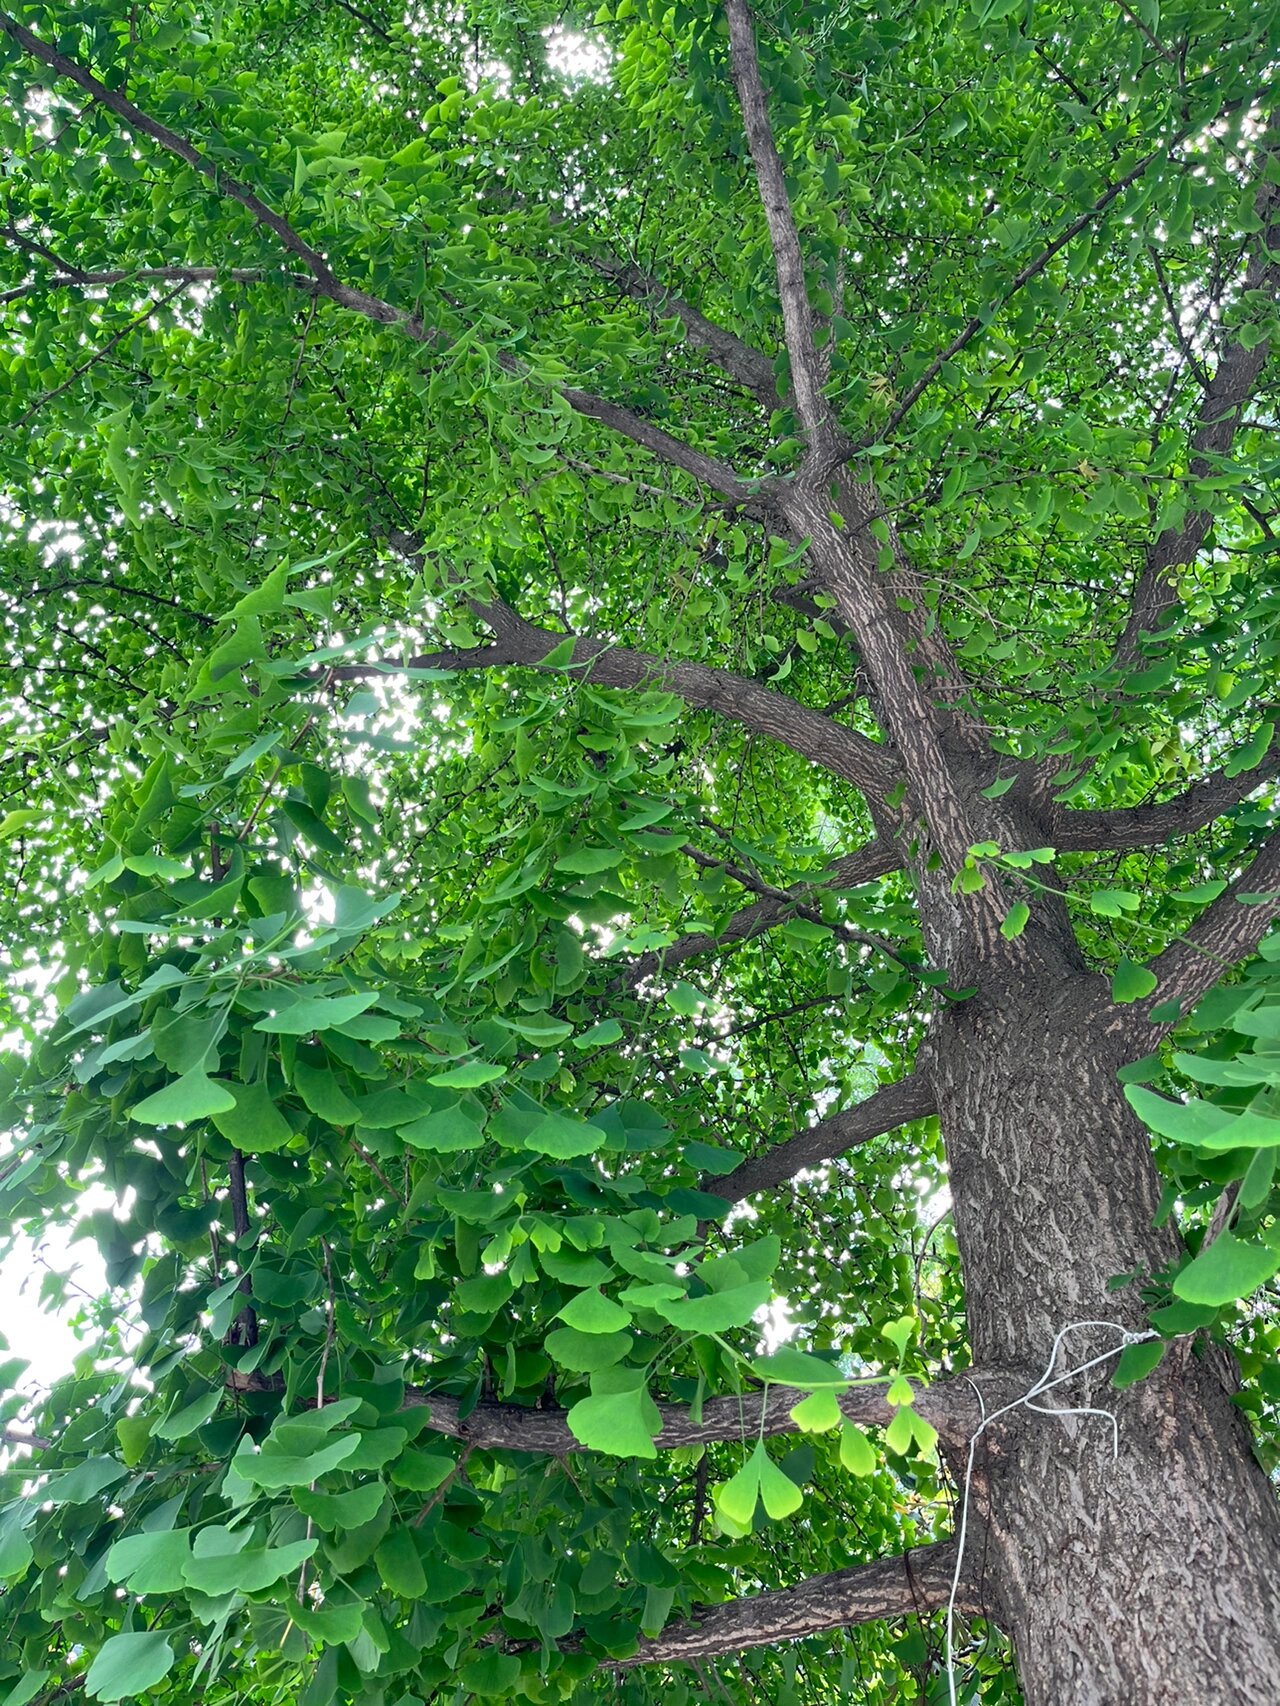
(14, 1436)
(750, 367)
(885, 1110)
(1076, 831)
(68, 277)
(843, 752)
(905, 1586)
(875, 860)
(1226, 933)
(950, 1406)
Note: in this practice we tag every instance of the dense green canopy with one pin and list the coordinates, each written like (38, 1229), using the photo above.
(423, 984)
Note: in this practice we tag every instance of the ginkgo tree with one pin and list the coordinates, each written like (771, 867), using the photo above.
(640, 827)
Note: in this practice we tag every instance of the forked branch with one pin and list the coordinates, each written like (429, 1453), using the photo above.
(144, 125)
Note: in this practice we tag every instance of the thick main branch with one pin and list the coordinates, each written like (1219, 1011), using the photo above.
(1081, 831)
(951, 1407)
(1225, 933)
(841, 751)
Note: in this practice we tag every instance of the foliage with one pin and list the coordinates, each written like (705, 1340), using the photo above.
(420, 826)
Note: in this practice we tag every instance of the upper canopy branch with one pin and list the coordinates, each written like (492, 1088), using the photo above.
(797, 314)
(1222, 405)
(169, 140)
(904, 1586)
(977, 322)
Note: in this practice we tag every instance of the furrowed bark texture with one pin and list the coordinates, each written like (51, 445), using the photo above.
(889, 1587)
(1144, 1578)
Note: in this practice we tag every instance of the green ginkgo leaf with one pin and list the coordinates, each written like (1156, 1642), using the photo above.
(856, 1452)
(1229, 1269)
(620, 1423)
(126, 1666)
(194, 1096)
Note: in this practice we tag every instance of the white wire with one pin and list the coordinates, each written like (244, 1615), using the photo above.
(1045, 1383)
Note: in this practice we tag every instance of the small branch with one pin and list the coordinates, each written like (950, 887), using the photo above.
(700, 1501)
(440, 1492)
(274, 777)
(783, 897)
(1175, 322)
(875, 860)
(245, 1328)
(701, 467)
(12, 1436)
(1146, 34)
(171, 142)
(97, 356)
(915, 1582)
(885, 1110)
(750, 367)
(371, 1163)
(797, 314)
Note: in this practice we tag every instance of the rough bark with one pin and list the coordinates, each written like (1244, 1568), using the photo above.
(888, 1587)
(950, 1406)
(1128, 1581)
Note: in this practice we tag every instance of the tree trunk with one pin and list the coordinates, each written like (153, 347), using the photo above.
(1154, 1575)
